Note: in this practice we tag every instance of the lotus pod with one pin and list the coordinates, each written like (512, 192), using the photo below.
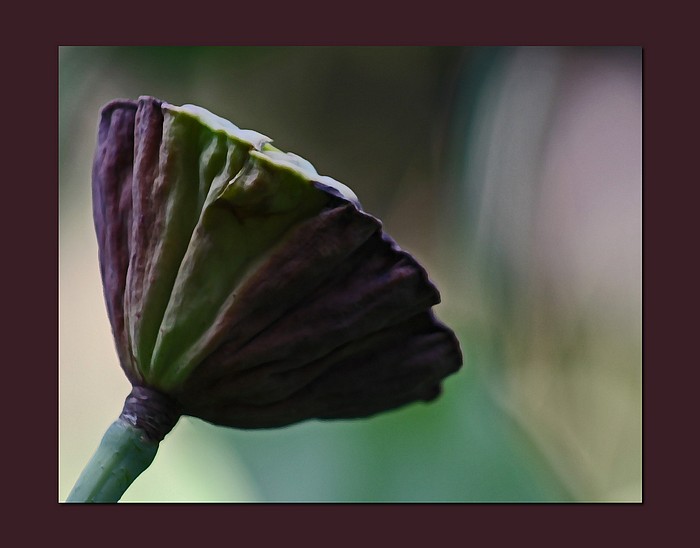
(247, 289)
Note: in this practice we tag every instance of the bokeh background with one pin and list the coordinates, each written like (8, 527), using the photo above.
(512, 173)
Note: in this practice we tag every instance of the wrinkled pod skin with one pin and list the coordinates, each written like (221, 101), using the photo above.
(246, 289)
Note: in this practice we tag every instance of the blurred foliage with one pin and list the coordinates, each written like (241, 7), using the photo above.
(462, 153)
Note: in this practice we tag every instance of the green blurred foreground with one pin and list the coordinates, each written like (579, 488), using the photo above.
(513, 174)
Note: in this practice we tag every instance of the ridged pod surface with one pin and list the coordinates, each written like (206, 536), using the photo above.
(247, 288)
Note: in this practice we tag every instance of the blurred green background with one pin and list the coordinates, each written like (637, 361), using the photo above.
(513, 174)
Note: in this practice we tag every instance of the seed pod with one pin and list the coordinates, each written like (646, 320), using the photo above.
(246, 288)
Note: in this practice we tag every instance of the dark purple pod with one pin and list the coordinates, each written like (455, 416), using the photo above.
(246, 288)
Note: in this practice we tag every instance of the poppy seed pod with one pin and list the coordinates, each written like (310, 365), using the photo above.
(244, 288)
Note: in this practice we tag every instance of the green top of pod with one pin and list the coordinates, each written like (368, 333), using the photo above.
(208, 202)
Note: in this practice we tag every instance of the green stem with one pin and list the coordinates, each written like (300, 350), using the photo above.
(125, 452)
